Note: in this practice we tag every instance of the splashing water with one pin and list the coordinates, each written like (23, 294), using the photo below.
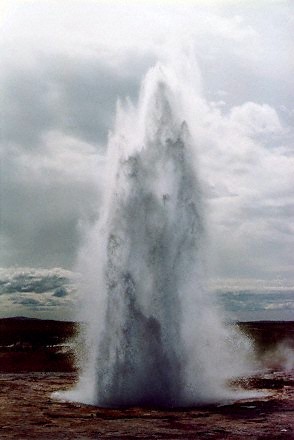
(153, 334)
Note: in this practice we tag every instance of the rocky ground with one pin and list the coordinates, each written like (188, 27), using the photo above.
(29, 411)
(30, 374)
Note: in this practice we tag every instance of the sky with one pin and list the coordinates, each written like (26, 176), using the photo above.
(64, 65)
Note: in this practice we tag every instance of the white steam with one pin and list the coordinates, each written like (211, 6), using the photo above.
(154, 335)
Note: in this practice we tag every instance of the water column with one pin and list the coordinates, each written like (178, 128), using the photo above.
(154, 336)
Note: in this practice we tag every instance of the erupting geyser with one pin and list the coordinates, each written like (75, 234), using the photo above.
(153, 335)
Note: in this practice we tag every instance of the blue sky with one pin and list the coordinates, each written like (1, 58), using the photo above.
(65, 64)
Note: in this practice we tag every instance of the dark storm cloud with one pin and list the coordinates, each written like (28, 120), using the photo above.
(41, 220)
(75, 95)
(26, 111)
(27, 302)
(44, 197)
(61, 292)
(41, 304)
(87, 93)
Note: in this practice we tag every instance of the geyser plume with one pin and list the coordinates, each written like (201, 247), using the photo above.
(153, 335)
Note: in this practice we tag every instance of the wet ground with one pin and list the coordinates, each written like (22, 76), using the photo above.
(28, 411)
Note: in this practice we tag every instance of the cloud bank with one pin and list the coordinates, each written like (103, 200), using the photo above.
(56, 293)
(45, 293)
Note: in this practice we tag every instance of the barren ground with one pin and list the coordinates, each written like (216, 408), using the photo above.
(28, 376)
(28, 411)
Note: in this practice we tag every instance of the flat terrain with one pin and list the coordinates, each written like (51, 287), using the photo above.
(28, 411)
(30, 372)
(32, 345)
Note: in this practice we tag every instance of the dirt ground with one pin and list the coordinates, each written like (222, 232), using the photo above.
(29, 411)
(36, 359)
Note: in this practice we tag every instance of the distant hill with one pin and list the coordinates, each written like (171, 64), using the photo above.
(43, 332)
(37, 332)
(29, 344)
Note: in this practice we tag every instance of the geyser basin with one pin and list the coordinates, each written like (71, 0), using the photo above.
(154, 336)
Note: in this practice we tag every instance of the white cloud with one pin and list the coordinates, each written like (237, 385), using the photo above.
(249, 183)
(45, 293)
(255, 119)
